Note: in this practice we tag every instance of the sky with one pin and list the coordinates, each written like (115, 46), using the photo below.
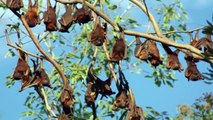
(146, 92)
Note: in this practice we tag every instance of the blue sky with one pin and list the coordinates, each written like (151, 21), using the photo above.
(146, 93)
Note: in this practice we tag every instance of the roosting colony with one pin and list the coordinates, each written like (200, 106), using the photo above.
(146, 51)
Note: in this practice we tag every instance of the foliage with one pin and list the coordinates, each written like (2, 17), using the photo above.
(74, 53)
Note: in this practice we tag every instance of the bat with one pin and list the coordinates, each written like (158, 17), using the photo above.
(102, 87)
(91, 94)
(66, 20)
(207, 43)
(14, 5)
(121, 100)
(63, 117)
(45, 81)
(50, 17)
(32, 14)
(119, 49)
(67, 99)
(136, 113)
(38, 78)
(22, 68)
(98, 34)
(83, 15)
(147, 51)
(192, 73)
(193, 42)
(172, 59)
(154, 55)
(140, 51)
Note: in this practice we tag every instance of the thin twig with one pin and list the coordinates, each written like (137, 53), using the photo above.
(19, 48)
(183, 31)
(110, 65)
(46, 102)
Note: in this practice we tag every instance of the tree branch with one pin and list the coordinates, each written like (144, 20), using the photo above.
(35, 41)
(46, 103)
(183, 47)
(18, 48)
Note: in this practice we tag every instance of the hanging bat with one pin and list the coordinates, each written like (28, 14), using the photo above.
(103, 87)
(67, 100)
(83, 15)
(193, 42)
(135, 114)
(140, 50)
(119, 49)
(63, 117)
(32, 14)
(154, 55)
(91, 91)
(45, 81)
(121, 100)
(98, 34)
(50, 17)
(192, 73)
(22, 68)
(207, 43)
(91, 94)
(39, 78)
(66, 20)
(172, 59)
(14, 5)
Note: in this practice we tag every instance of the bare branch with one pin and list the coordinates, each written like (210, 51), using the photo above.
(110, 65)
(18, 48)
(46, 103)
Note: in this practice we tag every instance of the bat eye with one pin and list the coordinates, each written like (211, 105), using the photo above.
(118, 101)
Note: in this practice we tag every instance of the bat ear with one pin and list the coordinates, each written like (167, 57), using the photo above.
(36, 4)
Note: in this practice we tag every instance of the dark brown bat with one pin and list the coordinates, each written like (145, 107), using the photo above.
(39, 78)
(83, 15)
(66, 20)
(67, 100)
(119, 49)
(192, 73)
(140, 50)
(32, 14)
(135, 114)
(50, 17)
(15, 5)
(63, 117)
(45, 81)
(193, 42)
(147, 51)
(98, 34)
(22, 68)
(154, 55)
(121, 100)
(207, 43)
(102, 87)
(172, 59)
(91, 94)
